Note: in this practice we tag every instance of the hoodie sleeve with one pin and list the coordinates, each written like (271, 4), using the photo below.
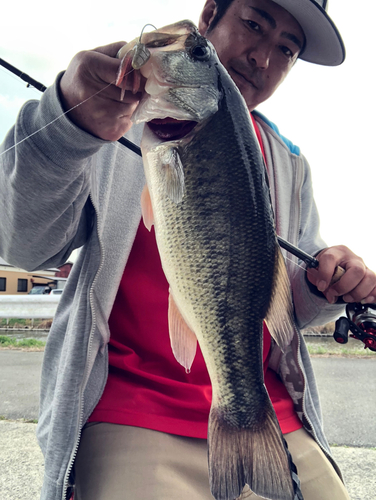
(45, 182)
(311, 306)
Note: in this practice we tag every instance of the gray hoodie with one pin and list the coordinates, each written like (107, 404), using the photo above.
(63, 189)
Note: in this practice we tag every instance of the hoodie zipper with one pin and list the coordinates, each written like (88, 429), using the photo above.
(293, 237)
(311, 427)
(298, 350)
(85, 376)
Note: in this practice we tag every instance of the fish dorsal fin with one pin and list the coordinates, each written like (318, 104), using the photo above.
(173, 174)
(146, 208)
(182, 338)
(280, 315)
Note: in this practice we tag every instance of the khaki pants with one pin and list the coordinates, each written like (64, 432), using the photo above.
(116, 462)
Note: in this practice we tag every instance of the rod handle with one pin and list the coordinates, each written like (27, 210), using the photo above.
(338, 273)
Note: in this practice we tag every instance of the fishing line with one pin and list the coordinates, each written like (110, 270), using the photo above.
(60, 116)
(293, 261)
(143, 29)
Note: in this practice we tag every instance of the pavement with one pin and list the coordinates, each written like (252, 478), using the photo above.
(348, 394)
(19, 384)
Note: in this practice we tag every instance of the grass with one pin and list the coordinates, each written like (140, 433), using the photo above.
(22, 420)
(21, 323)
(329, 347)
(356, 349)
(11, 343)
(335, 349)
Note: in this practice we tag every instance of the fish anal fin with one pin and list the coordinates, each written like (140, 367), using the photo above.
(240, 456)
(146, 208)
(182, 338)
(280, 315)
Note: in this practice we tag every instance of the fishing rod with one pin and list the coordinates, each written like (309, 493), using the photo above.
(361, 318)
(26, 78)
(39, 86)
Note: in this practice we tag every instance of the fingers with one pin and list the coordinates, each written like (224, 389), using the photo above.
(88, 91)
(364, 292)
(358, 283)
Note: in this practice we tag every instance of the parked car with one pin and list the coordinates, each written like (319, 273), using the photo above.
(38, 290)
(56, 291)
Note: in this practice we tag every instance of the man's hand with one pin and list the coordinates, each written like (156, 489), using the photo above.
(103, 115)
(358, 284)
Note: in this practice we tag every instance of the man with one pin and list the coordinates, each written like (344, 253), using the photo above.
(103, 367)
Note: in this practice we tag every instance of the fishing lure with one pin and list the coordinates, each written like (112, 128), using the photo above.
(140, 52)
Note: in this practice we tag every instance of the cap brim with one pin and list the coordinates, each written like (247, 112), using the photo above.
(324, 44)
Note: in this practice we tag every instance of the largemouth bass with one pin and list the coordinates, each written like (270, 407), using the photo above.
(208, 198)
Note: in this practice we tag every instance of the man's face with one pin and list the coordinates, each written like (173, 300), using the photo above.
(257, 41)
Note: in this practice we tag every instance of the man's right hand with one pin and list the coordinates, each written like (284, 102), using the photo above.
(104, 114)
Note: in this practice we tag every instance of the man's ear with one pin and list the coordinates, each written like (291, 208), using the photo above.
(207, 15)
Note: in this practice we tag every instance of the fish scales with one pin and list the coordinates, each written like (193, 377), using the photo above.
(228, 276)
(209, 200)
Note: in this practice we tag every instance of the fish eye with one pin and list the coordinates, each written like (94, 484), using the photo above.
(197, 47)
(200, 52)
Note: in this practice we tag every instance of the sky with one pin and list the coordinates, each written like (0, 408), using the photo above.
(327, 112)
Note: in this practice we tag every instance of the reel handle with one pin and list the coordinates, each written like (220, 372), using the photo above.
(341, 332)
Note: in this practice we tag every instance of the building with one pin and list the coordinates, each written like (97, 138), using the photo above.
(16, 281)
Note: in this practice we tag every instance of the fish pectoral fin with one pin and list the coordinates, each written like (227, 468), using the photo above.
(182, 338)
(255, 456)
(146, 208)
(173, 174)
(280, 315)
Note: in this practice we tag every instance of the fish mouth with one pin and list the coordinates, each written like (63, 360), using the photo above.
(169, 129)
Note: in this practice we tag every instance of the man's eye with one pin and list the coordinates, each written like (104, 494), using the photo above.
(287, 51)
(254, 26)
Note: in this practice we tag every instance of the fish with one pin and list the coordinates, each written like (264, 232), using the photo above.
(208, 197)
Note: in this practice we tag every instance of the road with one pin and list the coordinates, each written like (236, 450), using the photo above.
(347, 387)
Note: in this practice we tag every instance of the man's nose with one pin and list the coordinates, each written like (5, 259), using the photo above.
(259, 55)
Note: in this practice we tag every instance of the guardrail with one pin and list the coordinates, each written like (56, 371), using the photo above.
(28, 306)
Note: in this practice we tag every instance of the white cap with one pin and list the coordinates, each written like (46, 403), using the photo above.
(324, 44)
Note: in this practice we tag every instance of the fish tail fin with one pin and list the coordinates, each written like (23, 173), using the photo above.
(280, 315)
(257, 457)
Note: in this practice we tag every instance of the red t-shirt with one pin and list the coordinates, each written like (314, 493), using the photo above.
(146, 386)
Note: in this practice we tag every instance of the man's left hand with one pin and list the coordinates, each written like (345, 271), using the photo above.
(358, 283)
